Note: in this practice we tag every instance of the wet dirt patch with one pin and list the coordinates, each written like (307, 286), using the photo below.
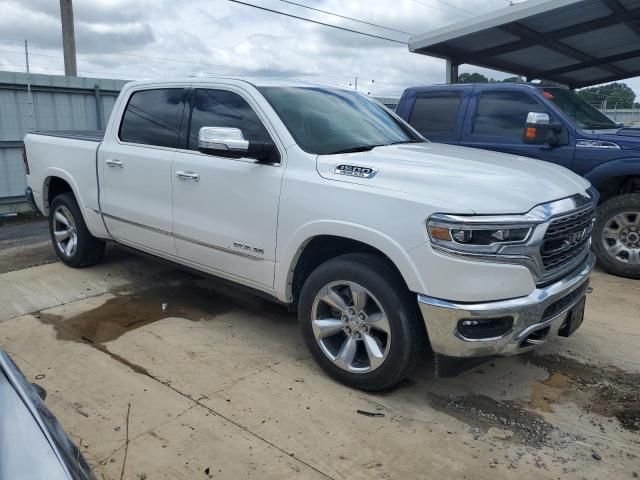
(129, 311)
(19, 258)
(604, 390)
(553, 390)
(484, 414)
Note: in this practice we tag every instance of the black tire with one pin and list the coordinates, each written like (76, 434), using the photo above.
(606, 212)
(88, 250)
(407, 337)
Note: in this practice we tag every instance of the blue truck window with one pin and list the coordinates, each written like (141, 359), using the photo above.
(436, 112)
(504, 113)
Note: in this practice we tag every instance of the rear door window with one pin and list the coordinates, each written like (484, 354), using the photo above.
(436, 114)
(153, 117)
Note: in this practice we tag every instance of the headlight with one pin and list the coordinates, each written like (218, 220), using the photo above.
(475, 234)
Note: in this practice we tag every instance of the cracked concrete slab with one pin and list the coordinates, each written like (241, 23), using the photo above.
(221, 386)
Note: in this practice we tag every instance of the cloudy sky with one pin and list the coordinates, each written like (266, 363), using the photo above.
(136, 39)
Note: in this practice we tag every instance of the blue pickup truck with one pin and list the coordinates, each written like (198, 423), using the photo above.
(551, 124)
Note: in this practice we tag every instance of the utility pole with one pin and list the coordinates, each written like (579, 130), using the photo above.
(68, 38)
(32, 125)
(356, 84)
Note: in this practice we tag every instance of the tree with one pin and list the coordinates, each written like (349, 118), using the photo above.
(613, 95)
(472, 78)
(479, 78)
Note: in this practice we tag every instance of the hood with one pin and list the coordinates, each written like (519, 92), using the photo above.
(627, 138)
(32, 442)
(459, 179)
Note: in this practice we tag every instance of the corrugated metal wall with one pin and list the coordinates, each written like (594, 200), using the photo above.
(56, 103)
(626, 116)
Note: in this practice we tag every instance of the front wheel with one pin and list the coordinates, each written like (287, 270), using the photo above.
(616, 236)
(359, 321)
(71, 238)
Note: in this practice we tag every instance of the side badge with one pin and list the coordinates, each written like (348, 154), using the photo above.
(355, 171)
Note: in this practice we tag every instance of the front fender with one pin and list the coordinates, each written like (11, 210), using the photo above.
(622, 167)
(287, 254)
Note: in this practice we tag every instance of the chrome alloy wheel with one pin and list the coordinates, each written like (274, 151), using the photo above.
(64, 231)
(351, 327)
(621, 237)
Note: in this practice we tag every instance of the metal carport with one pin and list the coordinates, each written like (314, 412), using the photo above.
(574, 42)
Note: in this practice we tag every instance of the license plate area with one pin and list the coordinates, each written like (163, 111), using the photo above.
(574, 319)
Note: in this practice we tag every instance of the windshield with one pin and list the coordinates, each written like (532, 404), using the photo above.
(326, 121)
(584, 114)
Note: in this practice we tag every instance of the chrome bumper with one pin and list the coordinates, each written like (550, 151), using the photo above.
(536, 317)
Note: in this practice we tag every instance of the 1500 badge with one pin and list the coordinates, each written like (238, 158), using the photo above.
(355, 171)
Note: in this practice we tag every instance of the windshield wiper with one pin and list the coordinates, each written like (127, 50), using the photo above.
(602, 126)
(361, 148)
(407, 141)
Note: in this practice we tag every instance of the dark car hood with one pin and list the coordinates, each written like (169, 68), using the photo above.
(32, 442)
(628, 138)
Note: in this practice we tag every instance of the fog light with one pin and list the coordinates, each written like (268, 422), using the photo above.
(479, 328)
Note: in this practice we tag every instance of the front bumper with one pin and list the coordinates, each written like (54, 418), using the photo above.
(536, 317)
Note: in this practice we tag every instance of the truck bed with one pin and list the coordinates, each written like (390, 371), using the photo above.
(87, 135)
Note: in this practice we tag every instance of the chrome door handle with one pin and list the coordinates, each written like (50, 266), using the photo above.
(114, 163)
(185, 175)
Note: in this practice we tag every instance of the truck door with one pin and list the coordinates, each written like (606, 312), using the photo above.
(438, 114)
(225, 210)
(135, 169)
(496, 119)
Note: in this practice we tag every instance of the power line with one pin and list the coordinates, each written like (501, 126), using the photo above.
(444, 3)
(345, 17)
(318, 22)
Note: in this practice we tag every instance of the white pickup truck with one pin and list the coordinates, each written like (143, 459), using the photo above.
(388, 245)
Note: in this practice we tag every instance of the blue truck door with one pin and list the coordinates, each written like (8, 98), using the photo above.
(496, 119)
(437, 114)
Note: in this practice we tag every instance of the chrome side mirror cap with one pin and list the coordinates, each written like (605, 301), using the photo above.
(538, 118)
(222, 139)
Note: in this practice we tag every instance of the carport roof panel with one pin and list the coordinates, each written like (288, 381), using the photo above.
(576, 42)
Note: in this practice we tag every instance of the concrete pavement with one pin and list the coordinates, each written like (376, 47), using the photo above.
(219, 385)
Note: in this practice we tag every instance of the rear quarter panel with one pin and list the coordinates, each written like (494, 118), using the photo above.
(72, 160)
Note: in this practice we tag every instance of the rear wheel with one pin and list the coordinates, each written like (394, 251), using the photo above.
(71, 239)
(359, 322)
(616, 239)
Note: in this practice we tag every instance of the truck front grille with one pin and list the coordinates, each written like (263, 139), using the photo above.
(567, 240)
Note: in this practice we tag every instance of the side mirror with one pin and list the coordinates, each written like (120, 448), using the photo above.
(222, 139)
(229, 142)
(540, 131)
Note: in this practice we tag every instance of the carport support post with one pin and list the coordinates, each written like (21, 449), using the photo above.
(452, 71)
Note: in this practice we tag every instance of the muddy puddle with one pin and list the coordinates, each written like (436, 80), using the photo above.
(604, 390)
(531, 421)
(130, 310)
(505, 420)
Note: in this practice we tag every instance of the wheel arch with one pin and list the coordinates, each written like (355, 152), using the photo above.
(321, 241)
(54, 184)
(616, 178)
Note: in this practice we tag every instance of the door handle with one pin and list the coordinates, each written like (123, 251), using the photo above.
(114, 163)
(185, 175)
